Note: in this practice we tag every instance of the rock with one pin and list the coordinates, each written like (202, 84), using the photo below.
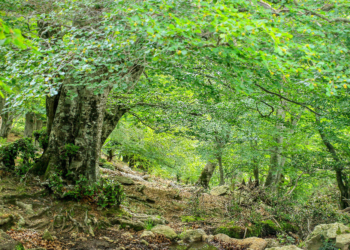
(124, 180)
(165, 230)
(284, 248)
(147, 234)
(272, 243)
(253, 243)
(128, 222)
(330, 231)
(324, 232)
(47, 235)
(208, 238)
(7, 243)
(342, 241)
(220, 190)
(128, 235)
(192, 235)
(144, 242)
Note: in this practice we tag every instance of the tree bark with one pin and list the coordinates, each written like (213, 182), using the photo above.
(6, 126)
(206, 174)
(78, 121)
(221, 170)
(33, 122)
(340, 176)
(277, 162)
(110, 121)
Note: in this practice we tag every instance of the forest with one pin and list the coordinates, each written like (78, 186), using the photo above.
(174, 124)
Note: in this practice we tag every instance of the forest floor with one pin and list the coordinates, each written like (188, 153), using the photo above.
(27, 210)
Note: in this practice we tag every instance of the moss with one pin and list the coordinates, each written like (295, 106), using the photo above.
(231, 230)
(191, 218)
(269, 227)
(289, 227)
(338, 231)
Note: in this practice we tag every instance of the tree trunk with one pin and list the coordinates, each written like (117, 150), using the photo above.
(6, 126)
(277, 162)
(340, 176)
(206, 174)
(32, 123)
(75, 137)
(110, 121)
(221, 170)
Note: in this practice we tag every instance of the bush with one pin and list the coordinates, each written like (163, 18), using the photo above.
(42, 137)
(106, 193)
(22, 148)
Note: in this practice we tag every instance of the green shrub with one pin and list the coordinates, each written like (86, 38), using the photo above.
(42, 137)
(22, 148)
(106, 193)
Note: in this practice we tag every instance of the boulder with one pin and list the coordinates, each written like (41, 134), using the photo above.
(47, 235)
(342, 241)
(192, 235)
(125, 222)
(284, 248)
(208, 238)
(252, 243)
(7, 243)
(165, 230)
(272, 243)
(147, 234)
(324, 232)
(124, 180)
(220, 190)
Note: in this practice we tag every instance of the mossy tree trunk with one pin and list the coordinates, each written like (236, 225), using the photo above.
(277, 161)
(75, 133)
(206, 174)
(341, 177)
(32, 123)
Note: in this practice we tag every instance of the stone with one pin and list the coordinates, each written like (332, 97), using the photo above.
(253, 243)
(7, 243)
(284, 248)
(147, 234)
(324, 232)
(168, 232)
(342, 241)
(128, 235)
(192, 235)
(144, 242)
(125, 222)
(47, 235)
(272, 243)
(220, 190)
(208, 238)
(124, 180)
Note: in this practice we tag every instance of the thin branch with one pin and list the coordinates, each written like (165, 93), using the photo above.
(285, 98)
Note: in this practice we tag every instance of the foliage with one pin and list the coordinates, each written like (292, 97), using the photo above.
(149, 224)
(42, 137)
(107, 193)
(22, 148)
